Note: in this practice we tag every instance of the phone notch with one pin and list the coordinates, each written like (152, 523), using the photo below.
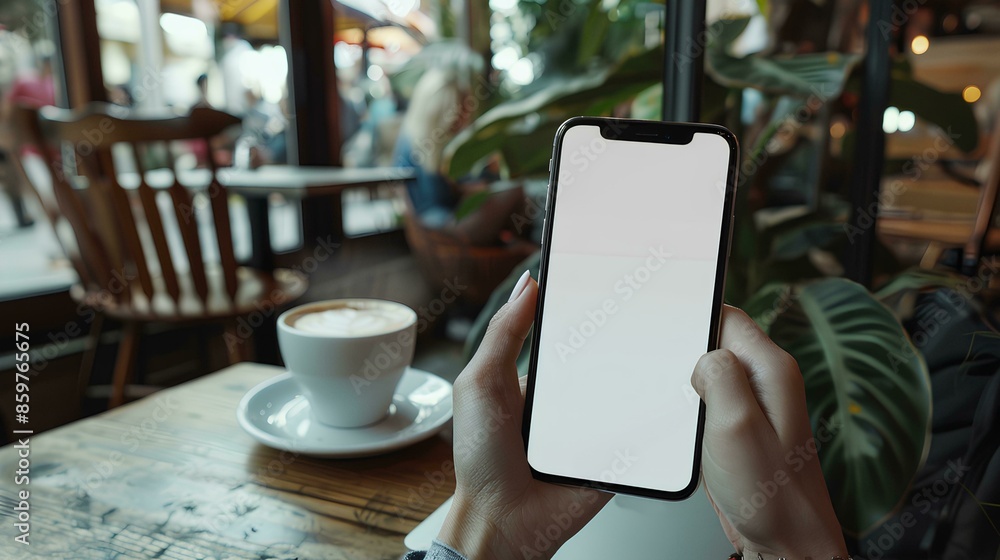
(647, 132)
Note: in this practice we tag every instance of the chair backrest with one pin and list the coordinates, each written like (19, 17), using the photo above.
(121, 240)
(988, 201)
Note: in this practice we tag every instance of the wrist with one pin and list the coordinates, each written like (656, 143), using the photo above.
(817, 537)
(471, 534)
(819, 549)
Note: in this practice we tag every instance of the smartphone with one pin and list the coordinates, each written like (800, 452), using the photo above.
(636, 236)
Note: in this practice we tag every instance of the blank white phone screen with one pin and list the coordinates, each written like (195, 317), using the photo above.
(629, 292)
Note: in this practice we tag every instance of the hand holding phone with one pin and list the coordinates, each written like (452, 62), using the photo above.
(754, 419)
(502, 507)
(761, 468)
(499, 510)
(637, 231)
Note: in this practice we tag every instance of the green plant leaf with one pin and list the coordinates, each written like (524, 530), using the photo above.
(945, 109)
(768, 303)
(648, 105)
(507, 125)
(819, 74)
(867, 383)
(900, 293)
(470, 204)
(497, 299)
(793, 243)
(530, 154)
(763, 7)
(595, 27)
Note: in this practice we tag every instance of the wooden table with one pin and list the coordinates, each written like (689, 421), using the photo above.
(323, 185)
(174, 477)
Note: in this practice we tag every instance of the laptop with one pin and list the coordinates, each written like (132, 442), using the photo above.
(639, 528)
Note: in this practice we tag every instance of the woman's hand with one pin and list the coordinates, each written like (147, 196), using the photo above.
(500, 511)
(759, 458)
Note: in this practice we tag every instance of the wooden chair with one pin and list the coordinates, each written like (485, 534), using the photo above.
(974, 237)
(443, 256)
(139, 250)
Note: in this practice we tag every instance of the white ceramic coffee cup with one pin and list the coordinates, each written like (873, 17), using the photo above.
(349, 380)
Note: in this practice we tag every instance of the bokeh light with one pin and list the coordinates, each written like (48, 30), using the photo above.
(890, 120)
(906, 121)
(837, 130)
(971, 94)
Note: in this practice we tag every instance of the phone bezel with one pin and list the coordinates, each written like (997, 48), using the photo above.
(635, 131)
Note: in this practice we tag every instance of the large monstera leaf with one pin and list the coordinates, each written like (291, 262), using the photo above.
(523, 129)
(865, 383)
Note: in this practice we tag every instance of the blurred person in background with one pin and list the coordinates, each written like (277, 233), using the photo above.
(121, 95)
(234, 47)
(440, 107)
(374, 143)
(199, 148)
(202, 84)
(35, 89)
(262, 139)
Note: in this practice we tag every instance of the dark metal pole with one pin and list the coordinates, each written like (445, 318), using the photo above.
(683, 60)
(306, 33)
(82, 79)
(870, 146)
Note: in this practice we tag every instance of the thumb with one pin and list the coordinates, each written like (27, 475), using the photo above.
(509, 327)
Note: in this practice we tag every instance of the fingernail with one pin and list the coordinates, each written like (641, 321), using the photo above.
(519, 287)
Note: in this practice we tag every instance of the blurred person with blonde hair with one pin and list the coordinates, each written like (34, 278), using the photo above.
(441, 105)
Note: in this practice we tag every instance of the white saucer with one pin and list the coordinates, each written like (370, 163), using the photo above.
(277, 414)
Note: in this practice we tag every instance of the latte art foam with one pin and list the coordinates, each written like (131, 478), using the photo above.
(350, 321)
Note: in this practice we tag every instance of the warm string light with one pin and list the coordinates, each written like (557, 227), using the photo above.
(920, 44)
(837, 130)
(971, 94)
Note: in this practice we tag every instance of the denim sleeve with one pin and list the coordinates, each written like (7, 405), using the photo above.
(437, 551)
